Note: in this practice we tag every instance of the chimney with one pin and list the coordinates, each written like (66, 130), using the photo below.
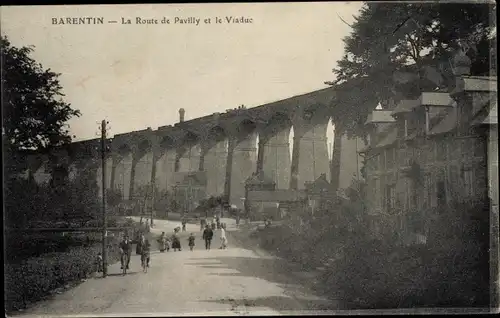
(181, 115)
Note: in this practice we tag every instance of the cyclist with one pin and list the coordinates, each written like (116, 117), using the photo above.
(125, 249)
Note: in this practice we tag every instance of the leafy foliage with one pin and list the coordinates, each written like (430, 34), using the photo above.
(396, 50)
(113, 197)
(34, 114)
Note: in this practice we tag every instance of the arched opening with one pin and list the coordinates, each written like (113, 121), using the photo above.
(165, 167)
(214, 161)
(290, 141)
(121, 181)
(277, 150)
(145, 146)
(143, 170)
(124, 150)
(166, 143)
(330, 134)
(189, 153)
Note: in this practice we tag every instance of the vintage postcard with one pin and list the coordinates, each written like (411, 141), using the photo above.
(250, 158)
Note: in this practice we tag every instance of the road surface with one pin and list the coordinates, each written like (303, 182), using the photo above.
(235, 281)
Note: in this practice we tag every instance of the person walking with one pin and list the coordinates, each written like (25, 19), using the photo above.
(176, 243)
(126, 249)
(141, 245)
(207, 236)
(145, 252)
(162, 241)
(223, 238)
(191, 240)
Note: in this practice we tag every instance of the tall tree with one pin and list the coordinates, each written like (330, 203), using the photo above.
(34, 114)
(395, 49)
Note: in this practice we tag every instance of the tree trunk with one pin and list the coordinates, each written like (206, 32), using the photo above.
(335, 165)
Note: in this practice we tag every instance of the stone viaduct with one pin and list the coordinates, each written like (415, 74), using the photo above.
(228, 147)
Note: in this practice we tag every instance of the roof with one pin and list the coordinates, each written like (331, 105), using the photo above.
(320, 183)
(259, 178)
(380, 116)
(480, 83)
(404, 106)
(436, 99)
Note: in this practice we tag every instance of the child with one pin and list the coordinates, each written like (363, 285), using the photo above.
(99, 262)
(191, 241)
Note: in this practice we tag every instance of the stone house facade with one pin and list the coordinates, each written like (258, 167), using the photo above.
(426, 153)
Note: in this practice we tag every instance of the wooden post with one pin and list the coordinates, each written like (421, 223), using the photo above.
(104, 216)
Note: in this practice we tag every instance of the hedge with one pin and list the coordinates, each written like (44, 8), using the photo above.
(450, 270)
(32, 279)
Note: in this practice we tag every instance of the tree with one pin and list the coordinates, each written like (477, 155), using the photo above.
(34, 114)
(398, 50)
(395, 49)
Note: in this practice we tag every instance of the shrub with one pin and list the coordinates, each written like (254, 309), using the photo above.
(30, 276)
(34, 278)
(450, 270)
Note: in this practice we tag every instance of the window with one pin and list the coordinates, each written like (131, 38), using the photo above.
(376, 162)
(382, 161)
(429, 190)
(441, 193)
(389, 153)
(430, 153)
(480, 150)
(468, 180)
(377, 193)
(390, 197)
(441, 150)
(465, 114)
(402, 127)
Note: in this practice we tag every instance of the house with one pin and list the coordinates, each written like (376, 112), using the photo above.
(426, 153)
(320, 193)
(263, 200)
(189, 189)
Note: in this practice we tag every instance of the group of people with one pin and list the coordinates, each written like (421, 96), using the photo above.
(143, 247)
(208, 234)
(216, 223)
(174, 241)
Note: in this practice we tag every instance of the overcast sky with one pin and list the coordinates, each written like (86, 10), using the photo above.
(138, 76)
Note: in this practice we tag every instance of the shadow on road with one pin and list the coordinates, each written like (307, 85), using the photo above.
(273, 270)
(120, 274)
(278, 303)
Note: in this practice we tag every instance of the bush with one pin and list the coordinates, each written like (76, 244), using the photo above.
(30, 276)
(367, 272)
(450, 270)
(34, 278)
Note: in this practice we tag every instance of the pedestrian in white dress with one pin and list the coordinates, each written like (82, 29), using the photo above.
(223, 239)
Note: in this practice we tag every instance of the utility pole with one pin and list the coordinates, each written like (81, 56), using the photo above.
(104, 216)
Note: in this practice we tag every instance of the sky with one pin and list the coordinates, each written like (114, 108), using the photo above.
(138, 76)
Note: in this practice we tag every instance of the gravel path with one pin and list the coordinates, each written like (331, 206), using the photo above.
(236, 281)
